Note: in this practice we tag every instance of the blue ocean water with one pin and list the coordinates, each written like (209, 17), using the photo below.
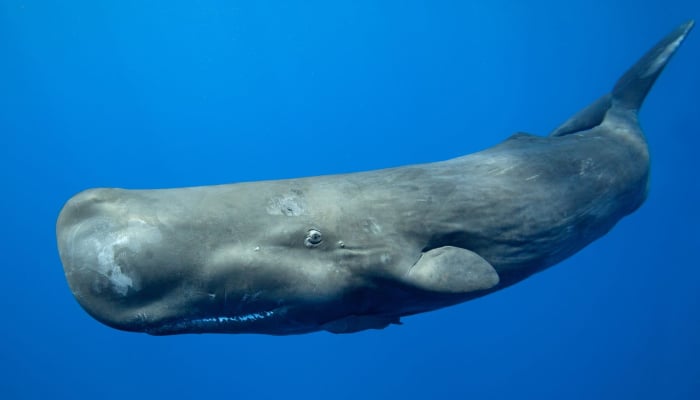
(150, 94)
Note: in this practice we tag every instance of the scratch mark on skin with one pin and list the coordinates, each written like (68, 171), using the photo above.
(503, 170)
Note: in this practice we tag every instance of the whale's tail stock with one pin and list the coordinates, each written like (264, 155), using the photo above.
(631, 89)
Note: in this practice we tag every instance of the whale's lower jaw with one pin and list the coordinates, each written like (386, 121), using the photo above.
(214, 324)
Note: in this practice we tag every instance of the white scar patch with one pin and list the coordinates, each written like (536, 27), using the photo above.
(290, 204)
(107, 241)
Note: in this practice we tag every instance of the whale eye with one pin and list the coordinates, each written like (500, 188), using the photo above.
(313, 238)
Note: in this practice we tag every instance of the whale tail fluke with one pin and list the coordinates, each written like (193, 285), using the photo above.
(632, 88)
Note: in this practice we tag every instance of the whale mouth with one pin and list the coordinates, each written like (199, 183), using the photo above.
(215, 324)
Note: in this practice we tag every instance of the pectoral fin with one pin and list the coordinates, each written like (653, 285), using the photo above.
(452, 270)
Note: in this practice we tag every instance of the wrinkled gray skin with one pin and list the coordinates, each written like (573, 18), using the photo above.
(350, 252)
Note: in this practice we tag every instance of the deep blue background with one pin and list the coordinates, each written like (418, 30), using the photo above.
(144, 94)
